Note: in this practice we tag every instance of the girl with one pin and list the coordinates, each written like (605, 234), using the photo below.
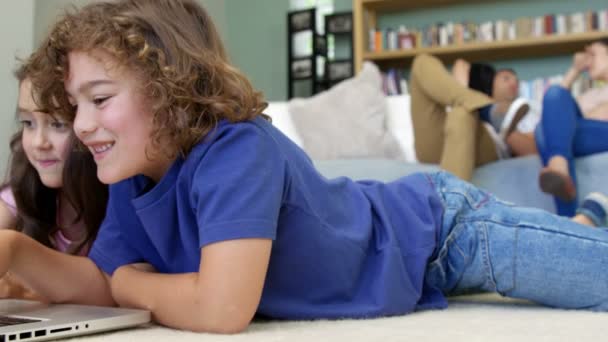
(44, 196)
(214, 215)
(572, 127)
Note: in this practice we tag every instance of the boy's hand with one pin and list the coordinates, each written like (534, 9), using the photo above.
(122, 280)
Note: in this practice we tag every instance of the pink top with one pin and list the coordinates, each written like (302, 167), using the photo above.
(59, 239)
(592, 98)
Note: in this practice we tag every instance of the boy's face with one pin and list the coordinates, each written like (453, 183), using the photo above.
(505, 86)
(112, 117)
(45, 139)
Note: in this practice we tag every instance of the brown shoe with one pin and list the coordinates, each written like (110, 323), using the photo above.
(557, 184)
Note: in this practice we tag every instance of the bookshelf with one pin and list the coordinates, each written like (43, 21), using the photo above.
(366, 13)
(340, 27)
(302, 68)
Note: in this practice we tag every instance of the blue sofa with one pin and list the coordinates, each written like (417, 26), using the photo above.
(514, 180)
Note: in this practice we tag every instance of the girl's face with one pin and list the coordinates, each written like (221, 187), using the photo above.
(598, 65)
(112, 117)
(45, 139)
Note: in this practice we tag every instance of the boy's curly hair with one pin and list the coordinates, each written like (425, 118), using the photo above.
(174, 50)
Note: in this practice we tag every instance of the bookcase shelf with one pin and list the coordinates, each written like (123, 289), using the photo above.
(366, 13)
(520, 48)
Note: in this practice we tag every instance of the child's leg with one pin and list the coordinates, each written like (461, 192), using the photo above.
(489, 245)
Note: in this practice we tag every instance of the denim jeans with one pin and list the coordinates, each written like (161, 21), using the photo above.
(564, 131)
(487, 245)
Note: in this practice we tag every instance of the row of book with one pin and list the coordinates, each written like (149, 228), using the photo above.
(534, 89)
(449, 33)
(394, 82)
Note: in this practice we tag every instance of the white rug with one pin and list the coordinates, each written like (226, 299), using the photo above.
(482, 318)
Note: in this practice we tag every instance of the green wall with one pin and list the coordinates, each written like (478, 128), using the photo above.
(217, 10)
(257, 34)
(257, 42)
(17, 36)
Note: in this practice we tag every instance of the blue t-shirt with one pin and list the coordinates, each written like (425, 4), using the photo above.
(341, 248)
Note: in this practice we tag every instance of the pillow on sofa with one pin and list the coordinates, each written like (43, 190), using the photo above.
(347, 121)
(400, 124)
(281, 119)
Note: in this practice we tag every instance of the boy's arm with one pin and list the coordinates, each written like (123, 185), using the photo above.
(56, 276)
(222, 297)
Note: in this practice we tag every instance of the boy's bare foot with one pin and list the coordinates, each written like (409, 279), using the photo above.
(584, 220)
(593, 210)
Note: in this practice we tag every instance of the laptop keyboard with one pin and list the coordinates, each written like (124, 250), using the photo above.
(8, 320)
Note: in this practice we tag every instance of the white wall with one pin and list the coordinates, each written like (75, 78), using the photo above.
(16, 35)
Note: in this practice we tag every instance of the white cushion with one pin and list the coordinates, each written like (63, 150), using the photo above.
(399, 123)
(347, 121)
(281, 119)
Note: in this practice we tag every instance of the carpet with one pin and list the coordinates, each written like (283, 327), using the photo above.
(472, 318)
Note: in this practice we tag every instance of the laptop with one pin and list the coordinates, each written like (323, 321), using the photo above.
(23, 320)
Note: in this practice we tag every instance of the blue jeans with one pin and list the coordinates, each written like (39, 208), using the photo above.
(565, 132)
(487, 245)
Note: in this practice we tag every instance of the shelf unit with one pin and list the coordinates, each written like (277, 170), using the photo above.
(304, 68)
(340, 26)
(366, 13)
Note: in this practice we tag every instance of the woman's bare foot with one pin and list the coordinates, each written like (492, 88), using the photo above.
(555, 179)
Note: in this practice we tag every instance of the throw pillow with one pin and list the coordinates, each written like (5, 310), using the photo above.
(347, 121)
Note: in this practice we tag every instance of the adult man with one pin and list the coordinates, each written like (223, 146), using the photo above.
(461, 119)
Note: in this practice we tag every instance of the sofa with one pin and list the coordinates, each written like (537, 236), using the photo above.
(514, 180)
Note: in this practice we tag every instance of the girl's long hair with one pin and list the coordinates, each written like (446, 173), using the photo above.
(37, 204)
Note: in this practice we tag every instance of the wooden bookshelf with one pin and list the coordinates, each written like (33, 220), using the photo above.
(366, 13)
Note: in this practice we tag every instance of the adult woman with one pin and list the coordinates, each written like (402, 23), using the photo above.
(572, 127)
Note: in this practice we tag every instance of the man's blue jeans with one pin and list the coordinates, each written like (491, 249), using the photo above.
(565, 132)
(486, 244)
